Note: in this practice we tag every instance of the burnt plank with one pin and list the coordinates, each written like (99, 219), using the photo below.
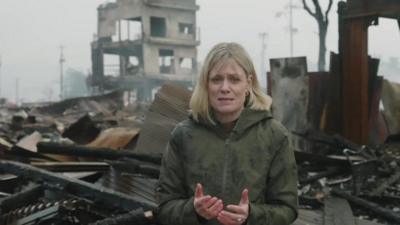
(72, 166)
(104, 153)
(76, 187)
(372, 207)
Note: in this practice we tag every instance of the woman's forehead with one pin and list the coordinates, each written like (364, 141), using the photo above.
(221, 64)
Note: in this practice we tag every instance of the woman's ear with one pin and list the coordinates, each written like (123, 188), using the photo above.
(250, 79)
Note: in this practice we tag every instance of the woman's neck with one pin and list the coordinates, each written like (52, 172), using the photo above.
(228, 127)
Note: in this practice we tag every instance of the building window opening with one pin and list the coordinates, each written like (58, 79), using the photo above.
(158, 27)
(128, 29)
(111, 65)
(186, 63)
(166, 61)
(185, 28)
(133, 67)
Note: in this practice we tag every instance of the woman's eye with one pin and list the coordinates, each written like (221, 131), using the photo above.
(216, 79)
(235, 79)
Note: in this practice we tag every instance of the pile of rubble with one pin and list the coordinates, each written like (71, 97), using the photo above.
(96, 161)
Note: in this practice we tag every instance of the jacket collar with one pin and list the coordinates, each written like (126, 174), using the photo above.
(247, 119)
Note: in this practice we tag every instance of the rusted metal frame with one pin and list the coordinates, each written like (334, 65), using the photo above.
(372, 207)
(76, 187)
(103, 153)
(136, 217)
(20, 199)
(72, 166)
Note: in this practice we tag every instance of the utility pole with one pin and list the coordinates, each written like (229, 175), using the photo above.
(0, 75)
(291, 26)
(263, 47)
(62, 60)
(17, 91)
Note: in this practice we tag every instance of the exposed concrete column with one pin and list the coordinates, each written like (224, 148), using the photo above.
(97, 64)
(355, 80)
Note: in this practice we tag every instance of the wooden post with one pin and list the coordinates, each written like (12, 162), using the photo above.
(355, 80)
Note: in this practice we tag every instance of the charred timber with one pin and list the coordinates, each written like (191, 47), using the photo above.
(104, 153)
(76, 187)
(134, 167)
(73, 166)
(373, 207)
(328, 173)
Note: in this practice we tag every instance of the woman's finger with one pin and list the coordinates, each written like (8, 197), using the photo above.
(199, 191)
(216, 207)
(227, 218)
(207, 204)
(224, 219)
(231, 215)
(245, 197)
(237, 209)
(201, 201)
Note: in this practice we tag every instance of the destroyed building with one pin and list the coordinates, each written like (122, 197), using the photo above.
(93, 160)
(153, 41)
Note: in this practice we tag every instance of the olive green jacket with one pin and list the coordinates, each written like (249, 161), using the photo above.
(255, 155)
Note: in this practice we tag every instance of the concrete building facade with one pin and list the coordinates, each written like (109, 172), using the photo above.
(142, 44)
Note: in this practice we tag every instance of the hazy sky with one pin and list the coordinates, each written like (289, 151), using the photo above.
(33, 30)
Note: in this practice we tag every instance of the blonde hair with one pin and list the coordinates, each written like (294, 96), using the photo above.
(221, 53)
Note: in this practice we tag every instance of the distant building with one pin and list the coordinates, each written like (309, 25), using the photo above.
(150, 41)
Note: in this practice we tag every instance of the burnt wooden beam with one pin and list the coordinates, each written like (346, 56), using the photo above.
(134, 167)
(354, 57)
(72, 166)
(372, 207)
(327, 173)
(320, 159)
(20, 199)
(103, 153)
(76, 187)
(370, 8)
(137, 217)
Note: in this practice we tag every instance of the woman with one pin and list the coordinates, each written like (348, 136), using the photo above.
(230, 163)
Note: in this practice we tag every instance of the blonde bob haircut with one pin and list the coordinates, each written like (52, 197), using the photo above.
(218, 55)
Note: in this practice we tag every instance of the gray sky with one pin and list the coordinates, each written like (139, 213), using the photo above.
(33, 30)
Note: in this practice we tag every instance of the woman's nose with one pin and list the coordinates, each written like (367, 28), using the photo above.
(225, 85)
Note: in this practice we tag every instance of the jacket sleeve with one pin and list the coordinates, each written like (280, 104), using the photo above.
(281, 190)
(175, 204)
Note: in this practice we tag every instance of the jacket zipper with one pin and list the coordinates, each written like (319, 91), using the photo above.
(225, 168)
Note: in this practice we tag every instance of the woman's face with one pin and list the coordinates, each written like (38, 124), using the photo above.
(227, 87)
